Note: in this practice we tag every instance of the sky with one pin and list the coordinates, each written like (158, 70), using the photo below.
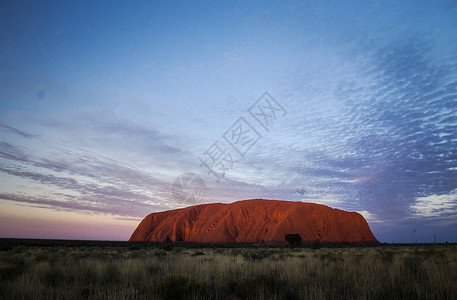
(105, 106)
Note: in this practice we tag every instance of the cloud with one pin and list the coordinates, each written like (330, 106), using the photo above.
(377, 134)
(96, 196)
(436, 206)
(17, 131)
(369, 217)
(11, 152)
(401, 128)
(125, 208)
(86, 181)
(410, 128)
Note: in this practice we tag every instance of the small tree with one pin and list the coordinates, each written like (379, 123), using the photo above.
(316, 244)
(293, 239)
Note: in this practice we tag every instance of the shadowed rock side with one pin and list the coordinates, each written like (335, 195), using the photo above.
(254, 221)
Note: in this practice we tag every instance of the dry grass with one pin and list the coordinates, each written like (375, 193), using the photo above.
(387, 272)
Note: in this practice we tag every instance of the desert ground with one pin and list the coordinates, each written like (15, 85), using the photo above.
(37, 269)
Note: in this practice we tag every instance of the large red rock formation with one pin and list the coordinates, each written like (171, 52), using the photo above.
(254, 221)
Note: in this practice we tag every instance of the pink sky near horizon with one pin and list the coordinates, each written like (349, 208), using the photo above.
(17, 222)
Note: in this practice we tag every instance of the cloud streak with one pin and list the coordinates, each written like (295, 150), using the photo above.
(17, 131)
(88, 182)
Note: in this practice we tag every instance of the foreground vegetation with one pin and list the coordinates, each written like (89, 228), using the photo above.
(137, 271)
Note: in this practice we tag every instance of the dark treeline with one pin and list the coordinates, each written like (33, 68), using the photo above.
(6, 243)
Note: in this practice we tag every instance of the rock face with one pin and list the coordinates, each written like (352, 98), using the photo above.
(254, 221)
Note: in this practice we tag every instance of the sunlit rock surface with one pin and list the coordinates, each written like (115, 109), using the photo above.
(254, 221)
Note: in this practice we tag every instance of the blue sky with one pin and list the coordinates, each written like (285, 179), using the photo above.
(103, 106)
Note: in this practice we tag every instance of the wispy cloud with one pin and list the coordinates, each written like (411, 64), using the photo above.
(88, 182)
(444, 206)
(377, 140)
(85, 205)
(16, 131)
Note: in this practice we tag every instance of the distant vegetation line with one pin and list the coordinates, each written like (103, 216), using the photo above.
(5, 242)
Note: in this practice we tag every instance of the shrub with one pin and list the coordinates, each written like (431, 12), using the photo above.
(10, 272)
(6, 248)
(294, 240)
(413, 265)
(110, 275)
(160, 253)
(257, 254)
(179, 287)
(86, 292)
(256, 287)
(12, 269)
(316, 244)
(198, 253)
(235, 252)
(53, 277)
(152, 269)
(166, 247)
(134, 247)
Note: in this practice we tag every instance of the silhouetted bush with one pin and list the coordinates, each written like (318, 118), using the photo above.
(413, 265)
(316, 244)
(160, 253)
(6, 248)
(110, 275)
(198, 253)
(12, 269)
(134, 247)
(52, 277)
(294, 240)
(178, 287)
(166, 247)
(86, 292)
(255, 255)
(255, 288)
